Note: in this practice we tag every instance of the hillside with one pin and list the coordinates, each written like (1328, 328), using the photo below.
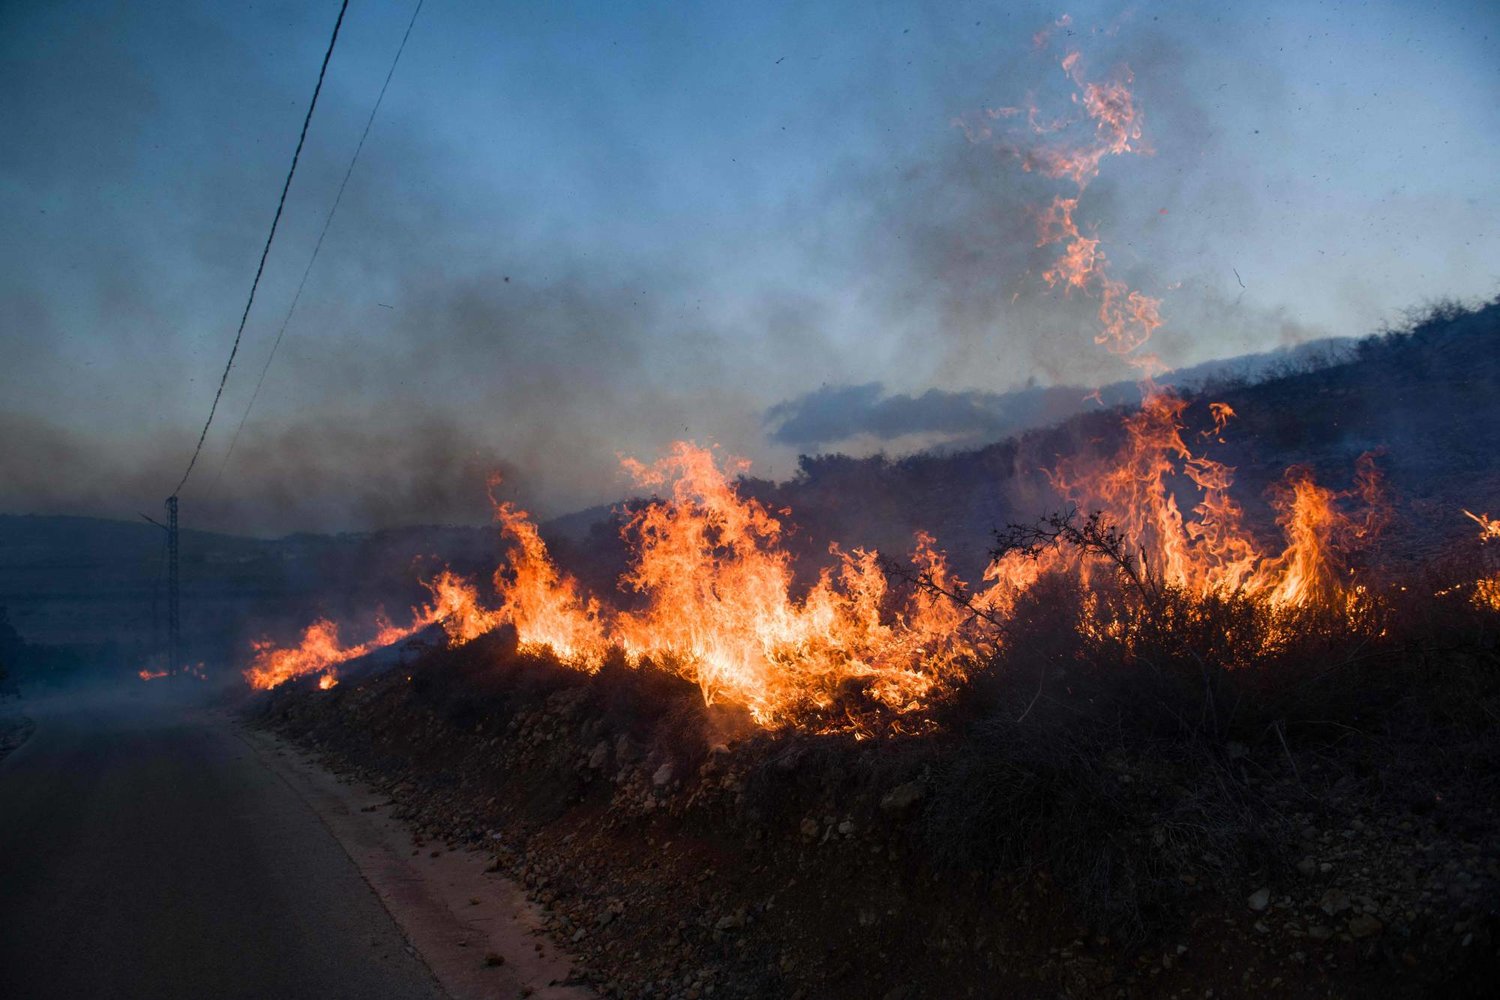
(1122, 788)
(1424, 398)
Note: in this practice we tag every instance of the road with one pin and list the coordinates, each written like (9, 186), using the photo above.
(146, 851)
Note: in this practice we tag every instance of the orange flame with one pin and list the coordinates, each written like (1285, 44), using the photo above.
(1487, 589)
(455, 605)
(1489, 529)
(718, 585)
(546, 606)
(718, 607)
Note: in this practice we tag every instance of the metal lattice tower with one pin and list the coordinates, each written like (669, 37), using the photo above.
(174, 621)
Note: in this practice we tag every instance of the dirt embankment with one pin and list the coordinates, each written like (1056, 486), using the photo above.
(14, 730)
(678, 852)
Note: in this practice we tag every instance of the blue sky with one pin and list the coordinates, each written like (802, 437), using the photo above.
(702, 211)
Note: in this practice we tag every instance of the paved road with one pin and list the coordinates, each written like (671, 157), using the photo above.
(146, 852)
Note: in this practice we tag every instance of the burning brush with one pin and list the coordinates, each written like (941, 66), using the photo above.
(716, 583)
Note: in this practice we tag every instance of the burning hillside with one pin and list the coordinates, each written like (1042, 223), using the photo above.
(711, 586)
(1177, 731)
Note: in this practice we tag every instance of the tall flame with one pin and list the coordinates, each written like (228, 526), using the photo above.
(546, 607)
(1206, 549)
(718, 585)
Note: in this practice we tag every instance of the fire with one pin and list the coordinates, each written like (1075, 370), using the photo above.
(1489, 529)
(1204, 550)
(1207, 550)
(1487, 589)
(715, 594)
(717, 606)
(194, 670)
(455, 605)
(546, 607)
(718, 585)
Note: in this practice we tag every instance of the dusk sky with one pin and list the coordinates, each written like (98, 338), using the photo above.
(578, 230)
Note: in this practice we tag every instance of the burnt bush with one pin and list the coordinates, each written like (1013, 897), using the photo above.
(1129, 739)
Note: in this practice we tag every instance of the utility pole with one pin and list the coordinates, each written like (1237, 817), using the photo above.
(174, 621)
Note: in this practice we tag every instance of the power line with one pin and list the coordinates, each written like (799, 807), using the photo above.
(318, 245)
(281, 204)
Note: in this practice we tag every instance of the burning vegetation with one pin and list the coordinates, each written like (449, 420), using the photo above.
(1164, 694)
(1487, 588)
(711, 589)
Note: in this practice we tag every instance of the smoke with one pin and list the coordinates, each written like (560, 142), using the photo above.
(531, 281)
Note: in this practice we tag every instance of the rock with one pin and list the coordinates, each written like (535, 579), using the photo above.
(1307, 866)
(1334, 902)
(599, 756)
(1259, 899)
(663, 776)
(494, 959)
(903, 797)
(625, 750)
(1364, 925)
(809, 827)
(1319, 933)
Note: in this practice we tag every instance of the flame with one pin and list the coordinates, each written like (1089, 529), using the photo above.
(455, 605)
(716, 597)
(1489, 529)
(194, 670)
(546, 606)
(1486, 589)
(717, 606)
(718, 584)
(1205, 550)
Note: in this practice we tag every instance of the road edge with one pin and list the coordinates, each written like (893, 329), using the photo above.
(473, 928)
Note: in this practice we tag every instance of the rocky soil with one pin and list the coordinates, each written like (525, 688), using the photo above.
(679, 852)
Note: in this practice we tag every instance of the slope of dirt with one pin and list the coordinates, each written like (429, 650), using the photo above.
(472, 926)
(679, 852)
(14, 728)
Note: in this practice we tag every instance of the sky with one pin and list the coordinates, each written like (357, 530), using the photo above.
(581, 231)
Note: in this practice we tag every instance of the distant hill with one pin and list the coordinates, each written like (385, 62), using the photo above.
(91, 581)
(859, 416)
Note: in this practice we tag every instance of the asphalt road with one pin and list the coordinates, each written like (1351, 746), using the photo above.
(145, 851)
